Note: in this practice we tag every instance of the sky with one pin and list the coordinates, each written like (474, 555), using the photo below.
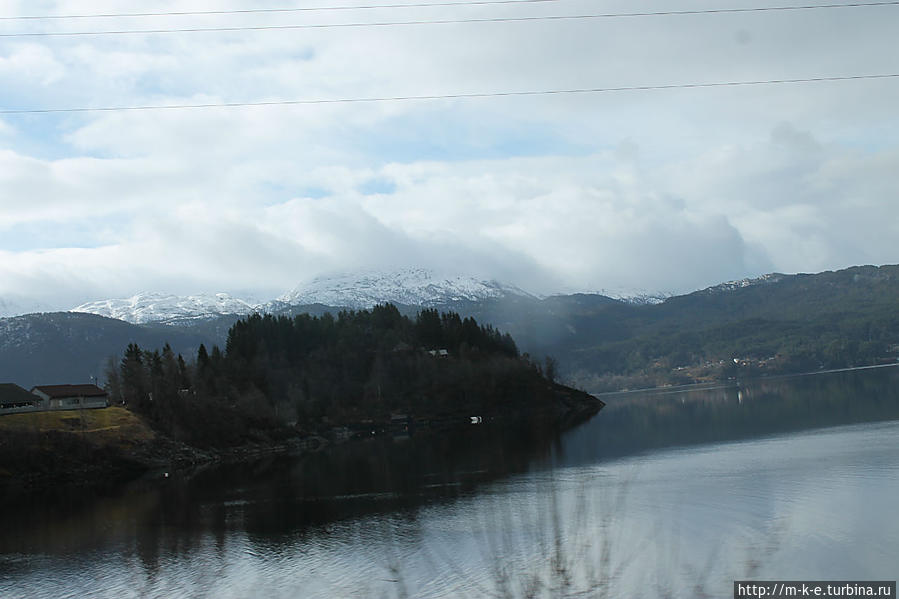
(666, 190)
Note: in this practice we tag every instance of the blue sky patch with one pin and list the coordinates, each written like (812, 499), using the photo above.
(378, 185)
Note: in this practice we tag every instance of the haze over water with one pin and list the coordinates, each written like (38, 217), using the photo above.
(673, 494)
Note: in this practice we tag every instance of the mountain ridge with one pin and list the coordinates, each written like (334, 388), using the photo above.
(781, 323)
(147, 307)
(412, 288)
(359, 290)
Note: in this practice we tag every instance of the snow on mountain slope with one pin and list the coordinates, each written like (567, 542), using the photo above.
(357, 290)
(732, 285)
(158, 307)
(414, 287)
(636, 297)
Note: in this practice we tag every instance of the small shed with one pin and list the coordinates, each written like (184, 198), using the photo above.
(71, 397)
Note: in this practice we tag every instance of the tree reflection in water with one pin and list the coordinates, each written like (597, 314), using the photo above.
(523, 511)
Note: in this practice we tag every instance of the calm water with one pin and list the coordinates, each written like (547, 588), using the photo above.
(666, 495)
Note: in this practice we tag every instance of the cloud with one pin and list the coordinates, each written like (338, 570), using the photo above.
(667, 190)
(592, 221)
(32, 63)
(811, 205)
(33, 189)
(546, 229)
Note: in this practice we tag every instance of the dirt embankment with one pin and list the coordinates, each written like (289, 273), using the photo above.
(80, 446)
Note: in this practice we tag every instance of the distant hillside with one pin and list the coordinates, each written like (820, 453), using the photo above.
(776, 323)
(65, 347)
(773, 324)
(787, 323)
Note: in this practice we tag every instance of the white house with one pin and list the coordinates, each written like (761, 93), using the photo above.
(71, 397)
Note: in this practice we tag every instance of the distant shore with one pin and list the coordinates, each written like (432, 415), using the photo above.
(663, 390)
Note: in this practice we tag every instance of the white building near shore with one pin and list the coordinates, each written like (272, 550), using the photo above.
(15, 399)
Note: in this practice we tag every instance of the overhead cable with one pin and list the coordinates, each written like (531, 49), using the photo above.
(664, 13)
(244, 11)
(549, 92)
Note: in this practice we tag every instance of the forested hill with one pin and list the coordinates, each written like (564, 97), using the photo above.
(775, 324)
(778, 324)
(319, 372)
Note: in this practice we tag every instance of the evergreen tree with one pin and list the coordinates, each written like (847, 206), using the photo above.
(183, 374)
(429, 329)
(113, 381)
(202, 359)
(133, 377)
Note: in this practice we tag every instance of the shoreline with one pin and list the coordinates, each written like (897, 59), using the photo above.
(131, 450)
(662, 390)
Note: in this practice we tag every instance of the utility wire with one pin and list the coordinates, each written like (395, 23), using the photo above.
(271, 10)
(455, 21)
(588, 90)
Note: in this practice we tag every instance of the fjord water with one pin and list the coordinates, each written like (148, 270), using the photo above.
(671, 494)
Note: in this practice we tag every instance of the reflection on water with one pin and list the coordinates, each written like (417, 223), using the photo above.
(643, 421)
(668, 495)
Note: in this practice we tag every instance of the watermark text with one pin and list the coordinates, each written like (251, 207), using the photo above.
(776, 589)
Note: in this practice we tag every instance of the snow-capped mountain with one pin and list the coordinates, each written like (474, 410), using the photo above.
(645, 299)
(414, 287)
(158, 307)
(636, 297)
(357, 290)
(733, 285)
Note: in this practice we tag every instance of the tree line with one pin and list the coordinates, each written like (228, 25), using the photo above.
(313, 372)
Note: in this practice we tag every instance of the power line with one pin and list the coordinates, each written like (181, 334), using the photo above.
(589, 90)
(270, 10)
(665, 13)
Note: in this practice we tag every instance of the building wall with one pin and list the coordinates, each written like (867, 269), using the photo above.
(64, 403)
(76, 403)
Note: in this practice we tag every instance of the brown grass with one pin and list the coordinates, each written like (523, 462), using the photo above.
(106, 426)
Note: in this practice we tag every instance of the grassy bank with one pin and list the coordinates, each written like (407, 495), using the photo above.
(77, 446)
(113, 426)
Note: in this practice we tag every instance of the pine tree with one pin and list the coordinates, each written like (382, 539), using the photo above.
(183, 374)
(133, 377)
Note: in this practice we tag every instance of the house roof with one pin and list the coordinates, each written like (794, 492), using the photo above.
(12, 393)
(55, 391)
